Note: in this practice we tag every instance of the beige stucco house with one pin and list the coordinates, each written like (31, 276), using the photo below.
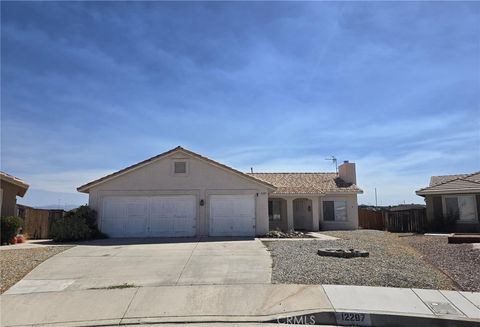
(10, 188)
(180, 193)
(455, 197)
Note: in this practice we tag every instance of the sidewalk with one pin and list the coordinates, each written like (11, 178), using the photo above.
(253, 303)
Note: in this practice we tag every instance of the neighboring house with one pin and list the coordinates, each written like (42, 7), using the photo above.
(10, 188)
(454, 197)
(180, 193)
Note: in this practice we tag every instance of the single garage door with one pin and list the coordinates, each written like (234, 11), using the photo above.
(232, 215)
(155, 216)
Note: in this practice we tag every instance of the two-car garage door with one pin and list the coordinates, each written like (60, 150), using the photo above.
(154, 216)
(175, 216)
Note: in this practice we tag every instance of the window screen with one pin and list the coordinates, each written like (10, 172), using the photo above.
(274, 209)
(466, 206)
(328, 211)
(180, 167)
(451, 205)
(341, 210)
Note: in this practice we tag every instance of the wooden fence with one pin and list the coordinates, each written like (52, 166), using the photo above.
(406, 221)
(36, 222)
(370, 219)
(412, 221)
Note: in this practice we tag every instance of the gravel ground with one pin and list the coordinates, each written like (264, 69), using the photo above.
(461, 262)
(392, 262)
(16, 263)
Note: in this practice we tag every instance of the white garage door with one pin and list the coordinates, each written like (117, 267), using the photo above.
(232, 215)
(138, 216)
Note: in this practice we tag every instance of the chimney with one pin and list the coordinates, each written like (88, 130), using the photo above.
(346, 171)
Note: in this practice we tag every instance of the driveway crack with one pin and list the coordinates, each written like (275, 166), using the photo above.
(129, 304)
(186, 263)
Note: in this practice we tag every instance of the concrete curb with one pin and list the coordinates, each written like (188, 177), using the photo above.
(248, 304)
(327, 317)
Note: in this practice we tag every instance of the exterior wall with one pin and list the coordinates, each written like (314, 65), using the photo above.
(202, 180)
(460, 226)
(9, 198)
(352, 213)
(317, 212)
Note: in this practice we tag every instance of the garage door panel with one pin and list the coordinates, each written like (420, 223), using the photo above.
(232, 215)
(167, 216)
(173, 216)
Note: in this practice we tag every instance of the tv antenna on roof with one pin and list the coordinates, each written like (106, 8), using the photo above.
(334, 161)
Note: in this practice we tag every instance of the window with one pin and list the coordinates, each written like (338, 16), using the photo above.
(180, 167)
(334, 210)
(328, 211)
(460, 207)
(274, 209)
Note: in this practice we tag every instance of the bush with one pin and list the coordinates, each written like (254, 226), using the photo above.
(86, 213)
(9, 228)
(69, 229)
(77, 224)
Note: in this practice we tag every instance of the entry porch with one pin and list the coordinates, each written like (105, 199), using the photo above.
(294, 213)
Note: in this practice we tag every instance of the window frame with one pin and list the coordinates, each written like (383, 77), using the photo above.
(271, 217)
(457, 196)
(335, 219)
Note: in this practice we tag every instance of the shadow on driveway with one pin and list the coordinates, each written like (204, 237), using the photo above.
(147, 240)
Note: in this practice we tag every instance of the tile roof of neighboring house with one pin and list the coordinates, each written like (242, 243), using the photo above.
(85, 188)
(434, 180)
(307, 183)
(462, 183)
(23, 187)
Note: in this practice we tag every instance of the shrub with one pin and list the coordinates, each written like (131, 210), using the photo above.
(9, 227)
(444, 223)
(84, 212)
(77, 224)
(69, 229)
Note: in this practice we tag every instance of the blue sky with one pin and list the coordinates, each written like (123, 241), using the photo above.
(89, 88)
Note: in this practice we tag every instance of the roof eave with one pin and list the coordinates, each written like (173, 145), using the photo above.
(446, 191)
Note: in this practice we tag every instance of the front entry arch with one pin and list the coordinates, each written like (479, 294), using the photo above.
(302, 214)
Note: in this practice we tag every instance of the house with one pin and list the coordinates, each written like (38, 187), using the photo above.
(10, 188)
(180, 193)
(455, 198)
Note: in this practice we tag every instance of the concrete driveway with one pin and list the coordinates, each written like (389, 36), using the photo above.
(114, 262)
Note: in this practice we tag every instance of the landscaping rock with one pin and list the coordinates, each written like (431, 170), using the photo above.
(392, 262)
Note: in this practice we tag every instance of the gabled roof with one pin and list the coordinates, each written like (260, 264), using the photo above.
(22, 186)
(307, 183)
(85, 188)
(463, 183)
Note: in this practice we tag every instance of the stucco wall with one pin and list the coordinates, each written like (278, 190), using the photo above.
(202, 180)
(352, 212)
(317, 211)
(9, 198)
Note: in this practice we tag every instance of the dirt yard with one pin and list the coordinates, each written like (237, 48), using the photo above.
(392, 262)
(461, 262)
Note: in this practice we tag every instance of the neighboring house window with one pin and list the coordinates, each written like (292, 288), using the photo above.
(180, 167)
(334, 210)
(274, 209)
(460, 207)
